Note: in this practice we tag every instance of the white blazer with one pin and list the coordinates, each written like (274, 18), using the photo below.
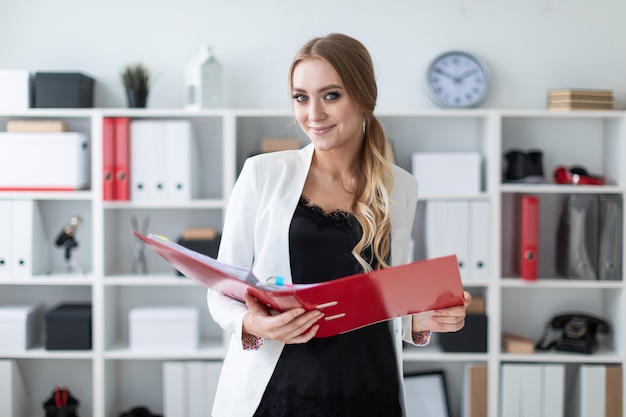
(256, 229)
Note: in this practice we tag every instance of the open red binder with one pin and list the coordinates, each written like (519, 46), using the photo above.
(348, 303)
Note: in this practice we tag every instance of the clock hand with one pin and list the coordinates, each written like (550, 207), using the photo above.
(445, 74)
(463, 76)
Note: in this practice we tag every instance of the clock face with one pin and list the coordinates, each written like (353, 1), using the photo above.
(457, 79)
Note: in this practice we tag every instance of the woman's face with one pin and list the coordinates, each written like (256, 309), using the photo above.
(323, 109)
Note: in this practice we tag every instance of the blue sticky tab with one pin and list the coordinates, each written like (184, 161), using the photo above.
(279, 280)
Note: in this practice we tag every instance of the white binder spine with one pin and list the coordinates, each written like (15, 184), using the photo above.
(174, 389)
(141, 159)
(14, 399)
(478, 268)
(6, 243)
(31, 248)
(458, 234)
(181, 161)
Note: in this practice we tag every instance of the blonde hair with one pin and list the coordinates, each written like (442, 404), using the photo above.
(372, 170)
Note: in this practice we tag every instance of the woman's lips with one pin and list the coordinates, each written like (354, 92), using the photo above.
(320, 130)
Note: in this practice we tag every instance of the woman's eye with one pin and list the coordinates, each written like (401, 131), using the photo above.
(332, 96)
(300, 98)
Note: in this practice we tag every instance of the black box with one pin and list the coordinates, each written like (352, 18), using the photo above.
(63, 90)
(68, 327)
(471, 338)
(209, 247)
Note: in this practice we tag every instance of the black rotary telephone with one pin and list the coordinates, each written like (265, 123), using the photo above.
(577, 333)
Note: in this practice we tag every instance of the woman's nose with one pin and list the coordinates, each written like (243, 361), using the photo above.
(316, 110)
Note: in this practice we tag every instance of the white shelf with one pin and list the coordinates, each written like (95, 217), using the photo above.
(596, 140)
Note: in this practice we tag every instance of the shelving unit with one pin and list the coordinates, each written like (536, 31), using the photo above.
(111, 378)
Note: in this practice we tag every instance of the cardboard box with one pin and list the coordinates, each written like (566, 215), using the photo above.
(16, 88)
(446, 173)
(513, 343)
(158, 329)
(279, 144)
(44, 161)
(68, 327)
(63, 90)
(20, 326)
(36, 126)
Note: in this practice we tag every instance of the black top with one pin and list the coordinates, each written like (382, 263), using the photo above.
(352, 374)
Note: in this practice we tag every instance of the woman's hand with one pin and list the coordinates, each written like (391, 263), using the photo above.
(291, 327)
(449, 319)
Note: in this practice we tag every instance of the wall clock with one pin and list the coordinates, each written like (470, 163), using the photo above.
(457, 79)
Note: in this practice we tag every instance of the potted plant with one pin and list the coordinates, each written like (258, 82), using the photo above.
(136, 79)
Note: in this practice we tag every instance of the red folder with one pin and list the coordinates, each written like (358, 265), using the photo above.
(348, 303)
(108, 158)
(122, 158)
(529, 237)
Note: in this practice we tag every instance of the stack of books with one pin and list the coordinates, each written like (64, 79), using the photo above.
(580, 99)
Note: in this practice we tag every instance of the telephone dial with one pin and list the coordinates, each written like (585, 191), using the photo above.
(577, 333)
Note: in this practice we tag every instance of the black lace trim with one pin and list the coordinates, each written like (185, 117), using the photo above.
(367, 405)
(336, 218)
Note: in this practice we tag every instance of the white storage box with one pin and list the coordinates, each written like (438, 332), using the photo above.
(44, 161)
(20, 327)
(16, 89)
(445, 173)
(163, 329)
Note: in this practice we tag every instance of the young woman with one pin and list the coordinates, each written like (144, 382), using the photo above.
(334, 208)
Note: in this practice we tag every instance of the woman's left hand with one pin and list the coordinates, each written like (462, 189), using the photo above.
(449, 319)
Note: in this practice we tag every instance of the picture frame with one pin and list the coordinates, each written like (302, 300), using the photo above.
(426, 394)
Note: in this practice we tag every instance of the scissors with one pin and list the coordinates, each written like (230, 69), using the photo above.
(139, 255)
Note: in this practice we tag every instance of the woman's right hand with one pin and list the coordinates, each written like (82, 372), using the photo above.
(290, 327)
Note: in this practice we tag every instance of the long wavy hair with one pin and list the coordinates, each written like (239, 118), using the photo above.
(372, 170)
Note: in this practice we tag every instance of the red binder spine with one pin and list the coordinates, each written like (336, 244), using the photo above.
(108, 158)
(122, 158)
(529, 237)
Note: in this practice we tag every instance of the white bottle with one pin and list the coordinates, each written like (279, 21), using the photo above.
(204, 87)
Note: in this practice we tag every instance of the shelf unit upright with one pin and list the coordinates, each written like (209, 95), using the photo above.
(112, 378)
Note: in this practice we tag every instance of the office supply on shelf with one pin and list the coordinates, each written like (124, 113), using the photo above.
(17, 89)
(163, 329)
(24, 247)
(32, 126)
(580, 99)
(44, 161)
(577, 238)
(348, 303)
(14, 397)
(121, 171)
(63, 90)
(529, 237)
(459, 227)
(108, 158)
(68, 326)
(515, 343)
(163, 160)
(181, 162)
(474, 390)
(20, 326)
(610, 237)
(115, 158)
(446, 173)
(174, 389)
(139, 253)
(478, 261)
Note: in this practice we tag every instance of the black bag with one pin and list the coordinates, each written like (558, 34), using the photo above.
(61, 404)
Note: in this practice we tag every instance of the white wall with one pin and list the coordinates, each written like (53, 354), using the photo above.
(529, 45)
